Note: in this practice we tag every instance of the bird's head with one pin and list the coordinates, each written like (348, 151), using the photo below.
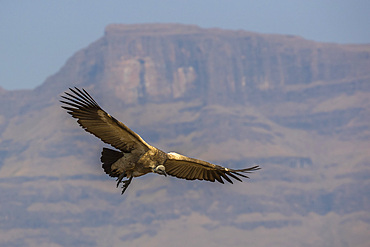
(161, 170)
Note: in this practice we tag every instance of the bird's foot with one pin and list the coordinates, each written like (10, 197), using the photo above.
(120, 177)
(125, 185)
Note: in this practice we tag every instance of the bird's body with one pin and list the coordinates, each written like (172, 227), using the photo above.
(136, 157)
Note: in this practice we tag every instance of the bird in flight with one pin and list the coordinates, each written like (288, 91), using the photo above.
(136, 157)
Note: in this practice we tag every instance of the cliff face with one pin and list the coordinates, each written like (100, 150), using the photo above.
(290, 80)
(298, 108)
(158, 63)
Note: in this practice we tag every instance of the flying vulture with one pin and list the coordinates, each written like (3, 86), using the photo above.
(136, 157)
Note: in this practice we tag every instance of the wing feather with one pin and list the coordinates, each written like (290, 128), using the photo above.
(92, 118)
(197, 173)
(233, 176)
(218, 178)
(226, 177)
(211, 176)
(201, 174)
(191, 173)
(206, 175)
(184, 167)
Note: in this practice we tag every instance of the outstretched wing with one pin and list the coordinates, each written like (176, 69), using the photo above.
(95, 120)
(184, 167)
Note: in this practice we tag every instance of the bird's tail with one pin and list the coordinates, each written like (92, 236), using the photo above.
(108, 158)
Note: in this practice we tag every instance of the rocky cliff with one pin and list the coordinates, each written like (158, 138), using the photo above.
(157, 63)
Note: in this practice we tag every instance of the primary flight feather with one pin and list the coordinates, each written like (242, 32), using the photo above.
(136, 157)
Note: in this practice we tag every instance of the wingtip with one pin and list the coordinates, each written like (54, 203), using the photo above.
(255, 168)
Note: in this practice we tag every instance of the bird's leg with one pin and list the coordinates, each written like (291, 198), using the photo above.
(126, 183)
(120, 177)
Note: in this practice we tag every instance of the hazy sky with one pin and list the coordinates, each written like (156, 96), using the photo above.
(38, 36)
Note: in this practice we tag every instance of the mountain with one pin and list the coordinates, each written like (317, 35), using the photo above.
(298, 108)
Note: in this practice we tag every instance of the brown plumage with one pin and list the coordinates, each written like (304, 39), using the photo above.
(136, 157)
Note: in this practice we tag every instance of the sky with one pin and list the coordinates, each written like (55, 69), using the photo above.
(37, 37)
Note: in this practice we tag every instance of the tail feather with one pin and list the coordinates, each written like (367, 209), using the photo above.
(108, 158)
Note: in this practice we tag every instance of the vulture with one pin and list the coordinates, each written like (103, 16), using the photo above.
(136, 157)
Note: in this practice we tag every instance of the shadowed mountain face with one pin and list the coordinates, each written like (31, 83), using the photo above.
(298, 108)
